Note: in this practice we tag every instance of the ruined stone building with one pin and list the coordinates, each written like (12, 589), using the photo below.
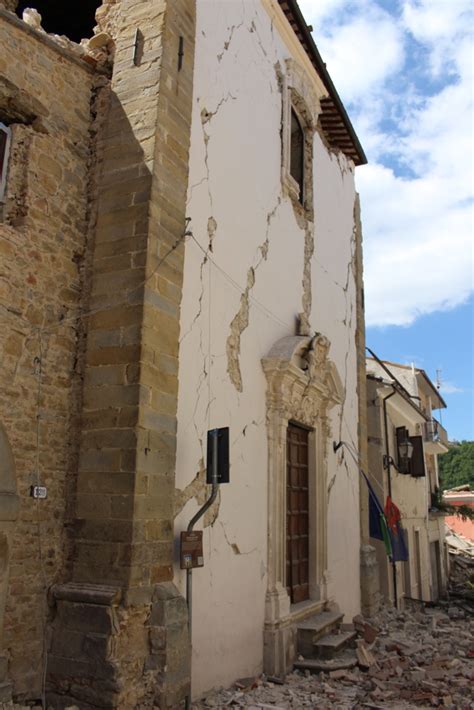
(180, 249)
(400, 404)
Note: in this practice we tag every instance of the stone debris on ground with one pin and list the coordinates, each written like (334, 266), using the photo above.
(461, 567)
(422, 657)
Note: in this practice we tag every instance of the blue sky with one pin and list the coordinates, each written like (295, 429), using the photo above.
(438, 341)
(404, 69)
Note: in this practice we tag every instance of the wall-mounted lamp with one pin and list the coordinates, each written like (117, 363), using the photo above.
(405, 452)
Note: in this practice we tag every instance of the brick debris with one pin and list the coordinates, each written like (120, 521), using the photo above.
(421, 657)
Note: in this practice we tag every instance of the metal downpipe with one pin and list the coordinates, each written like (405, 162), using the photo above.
(189, 572)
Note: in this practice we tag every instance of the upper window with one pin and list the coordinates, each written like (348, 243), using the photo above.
(5, 138)
(297, 153)
(297, 141)
(300, 111)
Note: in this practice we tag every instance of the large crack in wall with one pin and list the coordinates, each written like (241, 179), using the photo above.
(241, 319)
(239, 323)
(307, 297)
(200, 491)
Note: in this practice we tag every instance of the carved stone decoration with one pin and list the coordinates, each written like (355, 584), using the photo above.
(318, 355)
(302, 386)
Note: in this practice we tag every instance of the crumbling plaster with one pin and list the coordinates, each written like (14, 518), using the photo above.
(265, 267)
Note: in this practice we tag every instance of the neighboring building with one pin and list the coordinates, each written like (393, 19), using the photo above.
(181, 250)
(400, 405)
(461, 495)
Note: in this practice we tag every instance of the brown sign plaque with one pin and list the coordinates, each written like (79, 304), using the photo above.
(191, 550)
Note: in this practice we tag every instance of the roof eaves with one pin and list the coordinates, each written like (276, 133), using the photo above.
(341, 133)
(432, 387)
(399, 389)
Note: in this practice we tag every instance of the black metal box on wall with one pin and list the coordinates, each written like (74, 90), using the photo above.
(222, 455)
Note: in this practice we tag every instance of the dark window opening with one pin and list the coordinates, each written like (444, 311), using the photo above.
(417, 461)
(297, 153)
(75, 20)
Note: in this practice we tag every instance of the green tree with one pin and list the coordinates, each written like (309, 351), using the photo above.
(456, 467)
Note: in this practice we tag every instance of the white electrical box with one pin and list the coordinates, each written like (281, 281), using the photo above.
(39, 492)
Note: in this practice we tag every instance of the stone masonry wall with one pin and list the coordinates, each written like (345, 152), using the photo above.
(123, 534)
(45, 97)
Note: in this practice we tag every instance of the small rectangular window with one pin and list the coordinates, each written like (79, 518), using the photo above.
(5, 139)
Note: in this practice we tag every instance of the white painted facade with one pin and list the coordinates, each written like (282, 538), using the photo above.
(237, 206)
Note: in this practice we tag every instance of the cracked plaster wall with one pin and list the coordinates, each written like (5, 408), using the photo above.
(239, 298)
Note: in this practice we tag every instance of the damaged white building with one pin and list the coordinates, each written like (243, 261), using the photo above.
(269, 338)
(182, 245)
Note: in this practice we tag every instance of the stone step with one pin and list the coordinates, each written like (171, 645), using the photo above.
(311, 630)
(330, 645)
(346, 660)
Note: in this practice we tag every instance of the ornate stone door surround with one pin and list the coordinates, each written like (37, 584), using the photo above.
(302, 386)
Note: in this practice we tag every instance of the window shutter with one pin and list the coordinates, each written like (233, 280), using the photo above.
(417, 462)
(402, 435)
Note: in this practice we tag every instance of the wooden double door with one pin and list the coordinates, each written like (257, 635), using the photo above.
(297, 514)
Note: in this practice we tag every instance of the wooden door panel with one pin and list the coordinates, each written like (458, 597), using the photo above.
(297, 528)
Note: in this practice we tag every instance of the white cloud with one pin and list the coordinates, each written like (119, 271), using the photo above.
(417, 247)
(435, 23)
(406, 79)
(360, 55)
(449, 388)
(360, 49)
(314, 12)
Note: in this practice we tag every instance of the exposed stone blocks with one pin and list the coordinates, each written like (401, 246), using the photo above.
(131, 195)
(9, 4)
(103, 654)
(124, 536)
(46, 99)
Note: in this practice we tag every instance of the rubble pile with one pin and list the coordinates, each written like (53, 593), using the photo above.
(461, 567)
(461, 578)
(416, 658)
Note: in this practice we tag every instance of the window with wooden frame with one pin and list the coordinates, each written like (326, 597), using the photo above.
(297, 167)
(5, 141)
(300, 108)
